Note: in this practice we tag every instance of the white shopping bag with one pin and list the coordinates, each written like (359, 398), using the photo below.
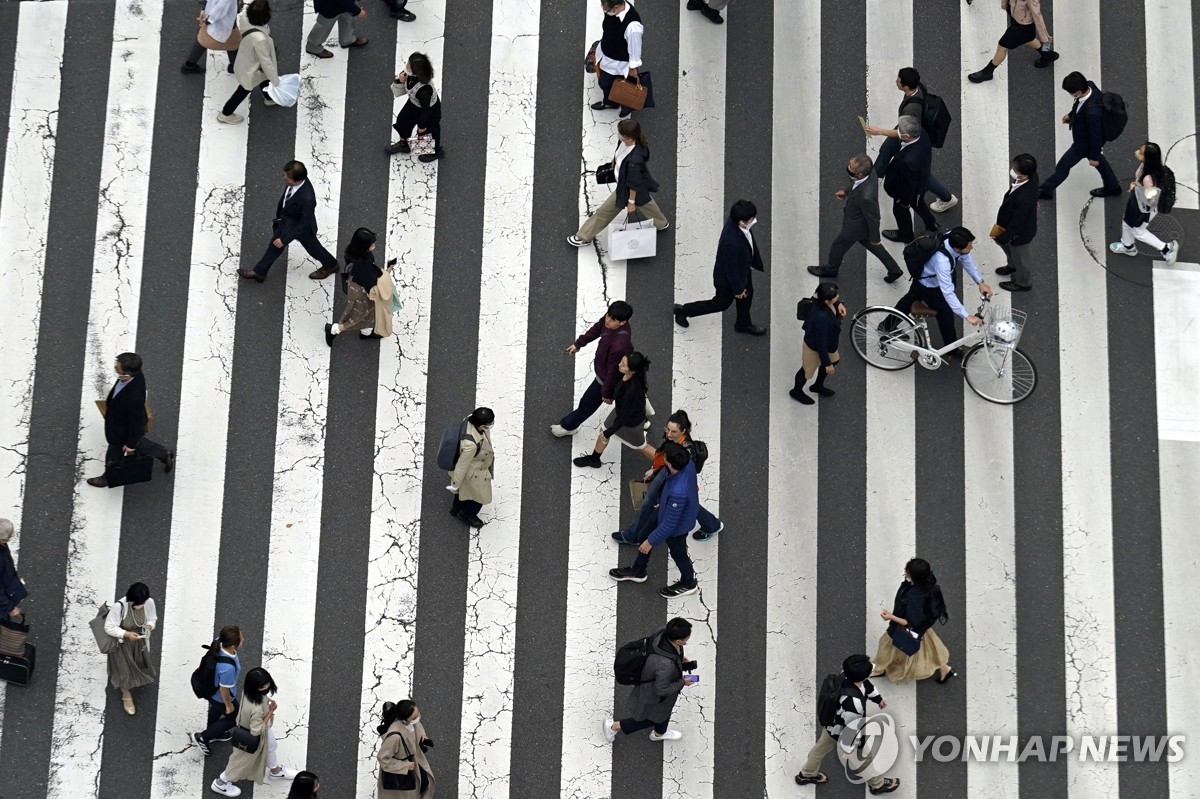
(632, 239)
(287, 92)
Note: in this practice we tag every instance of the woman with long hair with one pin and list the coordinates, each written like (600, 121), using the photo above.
(627, 420)
(130, 621)
(404, 770)
(305, 786)
(362, 275)
(635, 185)
(255, 718)
(1142, 206)
(422, 109)
(918, 605)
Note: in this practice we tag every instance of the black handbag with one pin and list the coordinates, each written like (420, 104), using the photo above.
(135, 468)
(400, 782)
(245, 740)
(605, 173)
(904, 640)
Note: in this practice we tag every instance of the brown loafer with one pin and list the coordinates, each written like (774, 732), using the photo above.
(355, 43)
(323, 54)
(98, 482)
(323, 272)
(250, 274)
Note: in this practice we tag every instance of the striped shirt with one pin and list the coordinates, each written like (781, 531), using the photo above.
(852, 710)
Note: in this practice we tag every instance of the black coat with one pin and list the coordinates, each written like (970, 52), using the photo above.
(125, 420)
(908, 173)
(1018, 214)
(299, 216)
(635, 175)
(12, 590)
(331, 8)
(822, 329)
(860, 215)
(1087, 125)
(735, 258)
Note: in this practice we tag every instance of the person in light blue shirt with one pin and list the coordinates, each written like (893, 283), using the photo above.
(222, 705)
(936, 289)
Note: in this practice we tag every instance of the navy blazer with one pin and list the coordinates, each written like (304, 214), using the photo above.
(735, 258)
(299, 217)
(908, 173)
(1087, 126)
(1018, 214)
(635, 175)
(125, 419)
(822, 329)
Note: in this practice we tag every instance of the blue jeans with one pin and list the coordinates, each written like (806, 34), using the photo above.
(1074, 154)
(588, 404)
(647, 516)
(679, 553)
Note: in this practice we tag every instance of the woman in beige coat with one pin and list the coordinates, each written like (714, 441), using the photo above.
(256, 714)
(471, 480)
(256, 64)
(401, 756)
(1026, 28)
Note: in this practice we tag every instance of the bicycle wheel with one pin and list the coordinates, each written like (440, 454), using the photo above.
(874, 331)
(1005, 377)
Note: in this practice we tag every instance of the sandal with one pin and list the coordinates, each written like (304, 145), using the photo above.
(127, 702)
(820, 779)
(889, 785)
(943, 680)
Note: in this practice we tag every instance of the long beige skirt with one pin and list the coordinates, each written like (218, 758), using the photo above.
(899, 667)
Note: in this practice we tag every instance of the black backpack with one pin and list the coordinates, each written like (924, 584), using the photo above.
(631, 660)
(699, 455)
(204, 678)
(935, 117)
(448, 449)
(829, 699)
(1113, 123)
(918, 252)
(1166, 190)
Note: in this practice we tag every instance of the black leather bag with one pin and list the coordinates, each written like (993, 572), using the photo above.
(245, 740)
(135, 468)
(400, 782)
(605, 173)
(18, 670)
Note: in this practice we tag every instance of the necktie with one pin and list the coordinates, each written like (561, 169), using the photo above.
(287, 194)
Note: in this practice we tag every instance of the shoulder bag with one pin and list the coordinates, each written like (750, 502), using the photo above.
(242, 738)
(104, 642)
(13, 635)
(400, 782)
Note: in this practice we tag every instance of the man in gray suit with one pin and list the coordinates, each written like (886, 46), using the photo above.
(860, 222)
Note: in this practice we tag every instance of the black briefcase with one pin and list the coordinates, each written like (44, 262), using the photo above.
(135, 468)
(18, 670)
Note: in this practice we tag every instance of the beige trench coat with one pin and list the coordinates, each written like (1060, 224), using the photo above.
(473, 473)
(244, 766)
(255, 56)
(393, 757)
(381, 294)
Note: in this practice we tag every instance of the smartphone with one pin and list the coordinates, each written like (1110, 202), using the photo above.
(392, 262)
(695, 679)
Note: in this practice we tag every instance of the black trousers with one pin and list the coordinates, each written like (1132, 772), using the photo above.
(723, 299)
(629, 726)
(842, 244)
(238, 95)
(467, 506)
(406, 122)
(934, 298)
(218, 722)
(310, 244)
(144, 446)
(904, 220)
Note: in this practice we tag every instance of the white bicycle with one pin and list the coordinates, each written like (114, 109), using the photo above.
(993, 366)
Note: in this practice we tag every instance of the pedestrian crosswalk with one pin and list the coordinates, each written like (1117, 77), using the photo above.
(306, 505)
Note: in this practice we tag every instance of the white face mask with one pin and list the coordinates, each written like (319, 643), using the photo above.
(412, 724)
(1012, 173)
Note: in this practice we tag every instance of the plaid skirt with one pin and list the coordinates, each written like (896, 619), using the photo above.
(129, 665)
(360, 311)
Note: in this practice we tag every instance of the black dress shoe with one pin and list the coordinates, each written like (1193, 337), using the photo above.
(822, 271)
(98, 482)
(1103, 192)
(1004, 270)
(429, 158)
(329, 335)
(1046, 59)
(801, 397)
(601, 105)
(189, 68)
(472, 520)
(1008, 285)
(680, 319)
(750, 330)
(893, 235)
(169, 462)
(250, 274)
(892, 277)
(711, 14)
(397, 147)
(404, 15)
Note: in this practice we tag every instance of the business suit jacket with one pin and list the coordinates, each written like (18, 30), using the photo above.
(635, 175)
(125, 420)
(332, 8)
(908, 173)
(735, 258)
(1087, 124)
(860, 214)
(1018, 214)
(299, 216)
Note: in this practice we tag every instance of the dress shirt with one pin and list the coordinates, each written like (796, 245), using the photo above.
(1079, 103)
(749, 238)
(942, 276)
(856, 183)
(633, 40)
(290, 191)
(1017, 184)
(904, 143)
(119, 387)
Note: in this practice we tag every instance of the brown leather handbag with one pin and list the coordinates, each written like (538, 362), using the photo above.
(629, 94)
(209, 43)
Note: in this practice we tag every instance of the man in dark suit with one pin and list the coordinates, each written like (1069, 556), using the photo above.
(860, 222)
(1016, 222)
(125, 418)
(906, 179)
(295, 220)
(1086, 120)
(737, 254)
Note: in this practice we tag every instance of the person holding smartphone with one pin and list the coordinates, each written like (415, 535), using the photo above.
(360, 278)
(662, 679)
(130, 621)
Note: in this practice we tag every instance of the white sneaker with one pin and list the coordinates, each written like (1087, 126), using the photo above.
(230, 119)
(225, 789)
(1172, 252)
(938, 206)
(1120, 249)
(609, 733)
(562, 432)
(669, 735)
(284, 773)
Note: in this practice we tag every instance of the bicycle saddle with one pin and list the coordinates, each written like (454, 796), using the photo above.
(921, 309)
